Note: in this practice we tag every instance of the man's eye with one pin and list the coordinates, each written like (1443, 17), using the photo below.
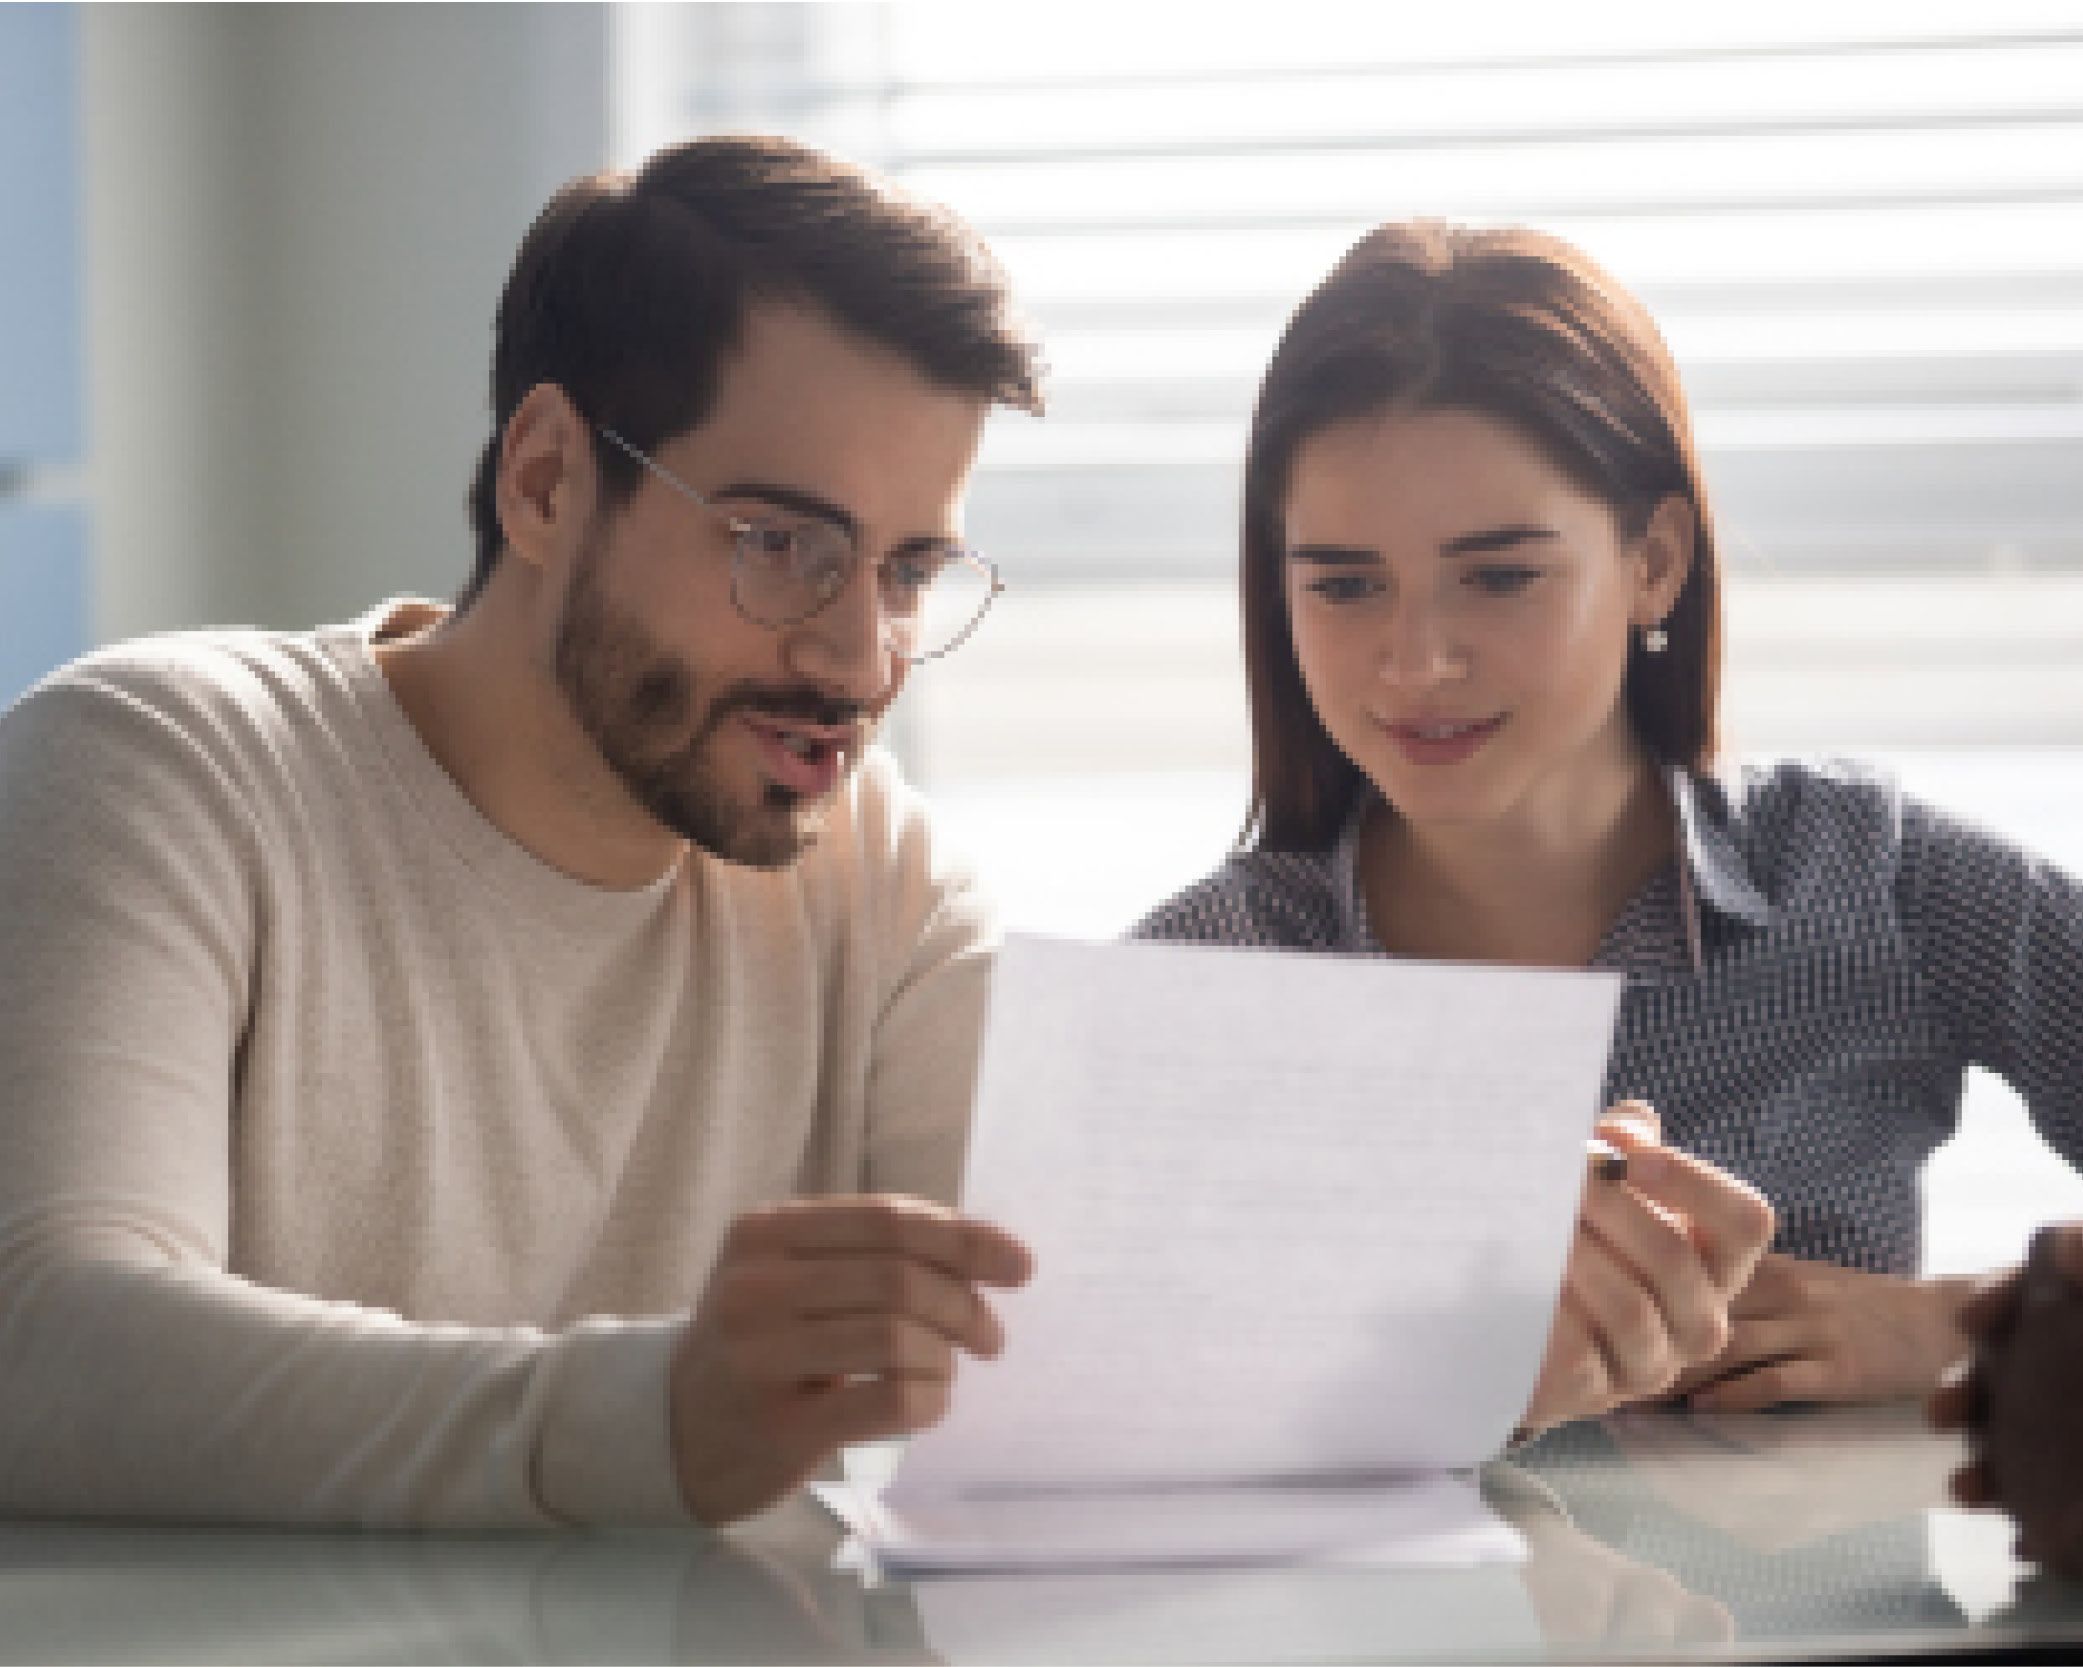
(915, 570)
(769, 540)
(1502, 581)
(1345, 587)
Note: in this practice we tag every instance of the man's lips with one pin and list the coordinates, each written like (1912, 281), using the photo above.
(806, 758)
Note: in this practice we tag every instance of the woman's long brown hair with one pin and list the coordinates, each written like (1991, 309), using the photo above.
(1522, 328)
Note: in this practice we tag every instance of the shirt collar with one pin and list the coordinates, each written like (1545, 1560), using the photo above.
(1713, 870)
(1707, 826)
(1353, 930)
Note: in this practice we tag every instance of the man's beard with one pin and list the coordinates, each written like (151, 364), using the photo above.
(639, 704)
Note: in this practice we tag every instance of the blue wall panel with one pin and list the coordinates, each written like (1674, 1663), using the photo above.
(44, 587)
(41, 368)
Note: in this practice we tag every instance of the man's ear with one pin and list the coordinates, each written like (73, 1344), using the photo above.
(546, 482)
(1665, 551)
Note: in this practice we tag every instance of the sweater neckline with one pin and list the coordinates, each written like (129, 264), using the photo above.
(493, 857)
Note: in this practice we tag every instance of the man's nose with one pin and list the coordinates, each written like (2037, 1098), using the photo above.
(847, 647)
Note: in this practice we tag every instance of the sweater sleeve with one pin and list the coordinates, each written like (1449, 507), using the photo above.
(1998, 936)
(138, 1375)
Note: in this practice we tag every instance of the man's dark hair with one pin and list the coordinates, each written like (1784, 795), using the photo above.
(630, 292)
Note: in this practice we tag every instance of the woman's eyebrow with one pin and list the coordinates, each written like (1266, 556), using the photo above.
(1335, 555)
(1495, 538)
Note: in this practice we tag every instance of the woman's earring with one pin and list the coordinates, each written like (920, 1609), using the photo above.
(1655, 639)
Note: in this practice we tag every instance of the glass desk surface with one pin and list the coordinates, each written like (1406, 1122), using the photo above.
(1652, 1537)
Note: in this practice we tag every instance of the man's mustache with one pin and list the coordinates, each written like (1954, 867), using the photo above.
(799, 705)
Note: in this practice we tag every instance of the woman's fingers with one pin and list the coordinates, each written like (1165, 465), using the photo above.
(1625, 1320)
(1574, 1380)
(1658, 1259)
(1730, 1221)
(1660, 1254)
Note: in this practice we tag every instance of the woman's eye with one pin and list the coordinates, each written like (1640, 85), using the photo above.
(1345, 587)
(1502, 581)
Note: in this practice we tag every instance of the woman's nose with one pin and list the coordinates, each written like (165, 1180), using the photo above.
(1417, 651)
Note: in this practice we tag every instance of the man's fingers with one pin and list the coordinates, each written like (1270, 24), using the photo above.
(1665, 1262)
(962, 1246)
(865, 1409)
(842, 1347)
(1731, 1221)
(877, 1284)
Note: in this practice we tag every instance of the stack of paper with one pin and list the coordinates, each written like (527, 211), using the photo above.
(1299, 1224)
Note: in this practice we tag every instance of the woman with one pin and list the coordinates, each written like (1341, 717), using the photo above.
(1482, 639)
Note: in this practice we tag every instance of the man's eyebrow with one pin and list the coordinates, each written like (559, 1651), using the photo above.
(798, 502)
(1496, 538)
(793, 499)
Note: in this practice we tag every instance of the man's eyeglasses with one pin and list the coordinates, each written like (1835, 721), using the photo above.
(784, 569)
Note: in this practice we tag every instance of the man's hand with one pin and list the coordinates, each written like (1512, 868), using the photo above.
(1657, 1258)
(2019, 1400)
(1811, 1331)
(827, 1321)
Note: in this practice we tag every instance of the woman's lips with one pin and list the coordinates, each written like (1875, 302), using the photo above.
(1443, 740)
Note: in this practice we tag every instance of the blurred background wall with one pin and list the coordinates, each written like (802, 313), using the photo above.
(296, 220)
(249, 257)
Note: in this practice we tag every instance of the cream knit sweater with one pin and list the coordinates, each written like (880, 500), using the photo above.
(356, 1166)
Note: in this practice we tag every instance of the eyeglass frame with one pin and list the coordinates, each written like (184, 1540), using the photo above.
(742, 529)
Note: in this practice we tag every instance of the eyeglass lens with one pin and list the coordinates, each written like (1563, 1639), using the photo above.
(931, 599)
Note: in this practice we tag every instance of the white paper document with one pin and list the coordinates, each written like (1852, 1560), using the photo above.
(1299, 1224)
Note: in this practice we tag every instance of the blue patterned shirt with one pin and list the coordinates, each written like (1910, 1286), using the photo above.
(1806, 986)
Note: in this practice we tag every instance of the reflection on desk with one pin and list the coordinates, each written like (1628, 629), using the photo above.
(77, 1593)
(1764, 1534)
(1792, 1525)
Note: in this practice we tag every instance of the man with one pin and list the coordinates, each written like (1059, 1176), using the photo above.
(444, 1051)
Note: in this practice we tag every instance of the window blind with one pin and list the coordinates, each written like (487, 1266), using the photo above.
(1861, 229)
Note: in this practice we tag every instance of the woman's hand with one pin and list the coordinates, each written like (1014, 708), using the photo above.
(1585, 1593)
(1658, 1258)
(1811, 1331)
